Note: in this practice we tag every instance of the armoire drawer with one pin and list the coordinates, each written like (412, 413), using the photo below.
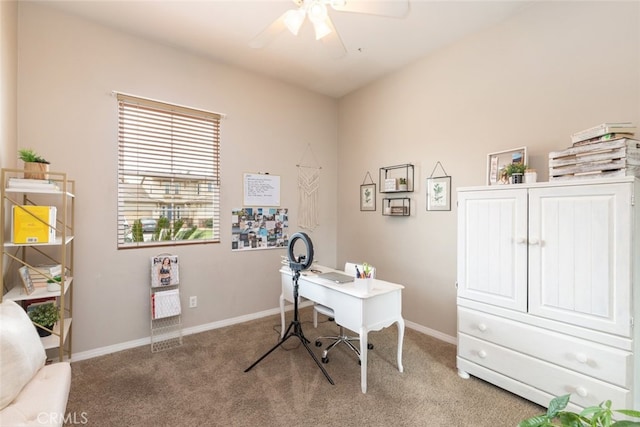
(555, 380)
(592, 359)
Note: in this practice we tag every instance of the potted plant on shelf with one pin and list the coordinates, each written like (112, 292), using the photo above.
(45, 315)
(402, 184)
(35, 166)
(515, 172)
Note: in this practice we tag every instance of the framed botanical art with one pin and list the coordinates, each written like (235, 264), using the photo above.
(439, 193)
(368, 197)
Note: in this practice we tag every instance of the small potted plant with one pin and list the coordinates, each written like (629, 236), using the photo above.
(515, 171)
(35, 166)
(402, 184)
(45, 315)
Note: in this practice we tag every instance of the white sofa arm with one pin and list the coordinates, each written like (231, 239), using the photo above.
(43, 401)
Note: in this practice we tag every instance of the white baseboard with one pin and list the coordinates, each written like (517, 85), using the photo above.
(83, 355)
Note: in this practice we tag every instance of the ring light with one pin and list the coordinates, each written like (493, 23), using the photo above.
(303, 261)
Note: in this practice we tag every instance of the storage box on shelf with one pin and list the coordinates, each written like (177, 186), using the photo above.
(399, 206)
(56, 192)
(620, 157)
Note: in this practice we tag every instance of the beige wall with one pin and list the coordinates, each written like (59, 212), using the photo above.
(557, 68)
(68, 68)
(532, 80)
(8, 79)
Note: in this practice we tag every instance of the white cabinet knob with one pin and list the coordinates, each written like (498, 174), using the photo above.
(533, 241)
(482, 354)
(581, 357)
(582, 392)
(521, 240)
(482, 327)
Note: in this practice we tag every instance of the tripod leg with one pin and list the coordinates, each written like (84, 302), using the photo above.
(286, 337)
(326, 374)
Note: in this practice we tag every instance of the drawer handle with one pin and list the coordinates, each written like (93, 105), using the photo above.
(482, 354)
(582, 392)
(482, 327)
(581, 357)
(534, 241)
(521, 240)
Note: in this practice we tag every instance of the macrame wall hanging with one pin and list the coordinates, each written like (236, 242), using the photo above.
(308, 197)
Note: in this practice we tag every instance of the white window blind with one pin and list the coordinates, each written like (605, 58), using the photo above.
(168, 174)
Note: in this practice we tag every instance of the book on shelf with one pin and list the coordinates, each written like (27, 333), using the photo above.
(33, 224)
(603, 129)
(603, 138)
(28, 184)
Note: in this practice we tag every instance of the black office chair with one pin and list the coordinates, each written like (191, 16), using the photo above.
(349, 268)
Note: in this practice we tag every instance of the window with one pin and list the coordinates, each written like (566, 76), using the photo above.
(168, 174)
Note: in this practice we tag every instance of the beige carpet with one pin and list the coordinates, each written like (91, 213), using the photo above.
(203, 383)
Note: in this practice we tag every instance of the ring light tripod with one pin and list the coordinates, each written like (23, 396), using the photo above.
(295, 328)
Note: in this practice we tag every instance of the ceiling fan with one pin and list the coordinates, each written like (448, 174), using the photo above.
(318, 14)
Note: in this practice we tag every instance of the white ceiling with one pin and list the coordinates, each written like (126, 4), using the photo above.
(222, 30)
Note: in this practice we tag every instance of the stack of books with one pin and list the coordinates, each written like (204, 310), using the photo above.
(26, 184)
(603, 132)
(43, 273)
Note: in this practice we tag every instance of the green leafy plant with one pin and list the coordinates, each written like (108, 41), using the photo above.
(45, 314)
(593, 416)
(512, 168)
(27, 155)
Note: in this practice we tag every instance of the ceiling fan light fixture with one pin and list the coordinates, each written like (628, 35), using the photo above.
(317, 11)
(294, 19)
(321, 28)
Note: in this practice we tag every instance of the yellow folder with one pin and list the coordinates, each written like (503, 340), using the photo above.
(34, 224)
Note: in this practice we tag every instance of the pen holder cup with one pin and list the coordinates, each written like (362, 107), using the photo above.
(363, 284)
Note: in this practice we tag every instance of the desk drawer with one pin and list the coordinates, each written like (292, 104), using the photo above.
(555, 380)
(586, 357)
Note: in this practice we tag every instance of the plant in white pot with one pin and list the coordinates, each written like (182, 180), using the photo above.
(35, 166)
(402, 184)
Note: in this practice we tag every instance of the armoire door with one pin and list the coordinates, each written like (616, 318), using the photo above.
(579, 255)
(492, 247)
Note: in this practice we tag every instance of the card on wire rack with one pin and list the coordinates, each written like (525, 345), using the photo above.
(164, 270)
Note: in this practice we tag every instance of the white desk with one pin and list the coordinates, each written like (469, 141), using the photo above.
(355, 309)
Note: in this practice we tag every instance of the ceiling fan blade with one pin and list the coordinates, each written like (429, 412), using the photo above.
(392, 8)
(332, 42)
(269, 33)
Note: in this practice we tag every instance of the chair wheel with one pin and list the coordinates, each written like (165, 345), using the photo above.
(325, 360)
(369, 346)
(318, 343)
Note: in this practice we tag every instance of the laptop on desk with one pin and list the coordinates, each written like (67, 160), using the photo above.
(336, 277)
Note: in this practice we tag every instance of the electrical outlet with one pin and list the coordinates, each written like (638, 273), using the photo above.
(193, 302)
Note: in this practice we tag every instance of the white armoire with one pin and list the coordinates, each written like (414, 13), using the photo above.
(548, 289)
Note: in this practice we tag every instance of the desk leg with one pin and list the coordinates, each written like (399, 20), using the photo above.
(400, 341)
(363, 359)
(282, 316)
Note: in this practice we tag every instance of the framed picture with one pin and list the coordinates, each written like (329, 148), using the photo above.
(368, 197)
(26, 279)
(439, 193)
(497, 161)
